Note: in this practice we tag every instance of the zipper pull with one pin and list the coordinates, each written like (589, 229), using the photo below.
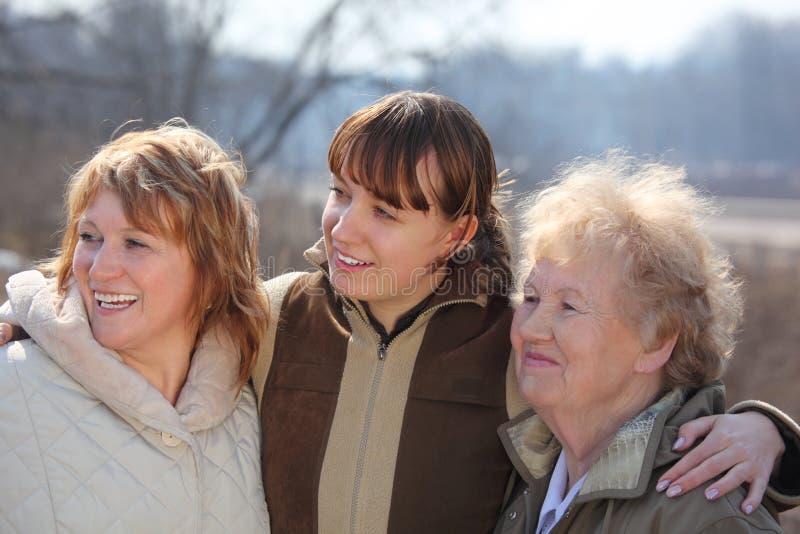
(382, 351)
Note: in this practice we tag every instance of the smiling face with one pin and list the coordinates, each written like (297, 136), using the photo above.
(573, 350)
(137, 287)
(381, 254)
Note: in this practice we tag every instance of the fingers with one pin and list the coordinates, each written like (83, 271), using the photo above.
(735, 478)
(739, 446)
(5, 333)
(700, 469)
(694, 458)
(741, 473)
(754, 495)
(745, 445)
(689, 432)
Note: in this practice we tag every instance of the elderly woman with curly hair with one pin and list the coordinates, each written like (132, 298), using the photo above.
(626, 325)
(128, 410)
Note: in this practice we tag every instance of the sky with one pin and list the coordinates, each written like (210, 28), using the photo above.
(640, 31)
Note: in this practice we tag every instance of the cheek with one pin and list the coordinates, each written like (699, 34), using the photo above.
(189, 282)
(184, 280)
(81, 262)
(520, 315)
(330, 216)
(516, 339)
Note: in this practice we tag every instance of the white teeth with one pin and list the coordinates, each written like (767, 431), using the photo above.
(350, 261)
(114, 301)
(110, 306)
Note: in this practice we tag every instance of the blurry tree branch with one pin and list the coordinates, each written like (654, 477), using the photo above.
(60, 76)
(338, 30)
(304, 79)
(156, 59)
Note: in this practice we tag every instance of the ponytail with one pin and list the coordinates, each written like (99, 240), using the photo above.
(491, 248)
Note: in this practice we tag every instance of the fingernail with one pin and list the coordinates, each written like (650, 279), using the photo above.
(748, 509)
(678, 443)
(711, 493)
(673, 491)
(662, 485)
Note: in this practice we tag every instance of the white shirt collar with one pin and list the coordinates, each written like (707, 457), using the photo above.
(555, 502)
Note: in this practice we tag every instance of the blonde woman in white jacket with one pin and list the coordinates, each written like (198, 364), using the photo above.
(128, 409)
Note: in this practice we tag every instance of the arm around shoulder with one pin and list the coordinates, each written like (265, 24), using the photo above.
(784, 487)
(9, 329)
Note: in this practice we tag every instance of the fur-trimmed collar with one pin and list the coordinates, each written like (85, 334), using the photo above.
(59, 325)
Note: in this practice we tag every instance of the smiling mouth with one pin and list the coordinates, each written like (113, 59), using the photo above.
(350, 261)
(112, 301)
(537, 359)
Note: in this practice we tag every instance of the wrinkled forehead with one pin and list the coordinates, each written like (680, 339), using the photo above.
(597, 276)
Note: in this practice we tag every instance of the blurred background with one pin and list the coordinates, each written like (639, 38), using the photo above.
(711, 85)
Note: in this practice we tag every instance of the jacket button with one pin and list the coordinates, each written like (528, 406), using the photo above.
(527, 491)
(512, 515)
(170, 440)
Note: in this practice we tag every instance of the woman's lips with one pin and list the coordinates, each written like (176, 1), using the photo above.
(340, 263)
(109, 302)
(537, 359)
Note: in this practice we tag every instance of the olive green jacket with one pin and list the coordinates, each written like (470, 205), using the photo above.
(619, 493)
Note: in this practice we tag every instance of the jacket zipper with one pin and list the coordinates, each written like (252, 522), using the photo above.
(362, 448)
(382, 353)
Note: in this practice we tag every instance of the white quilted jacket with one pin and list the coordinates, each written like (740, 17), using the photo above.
(87, 445)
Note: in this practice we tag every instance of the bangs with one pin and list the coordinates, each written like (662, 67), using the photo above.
(149, 197)
(154, 214)
(379, 149)
(148, 201)
(151, 210)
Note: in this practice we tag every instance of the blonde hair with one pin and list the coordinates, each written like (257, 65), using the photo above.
(177, 182)
(677, 281)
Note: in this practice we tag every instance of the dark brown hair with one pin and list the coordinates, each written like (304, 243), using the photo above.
(380, 145)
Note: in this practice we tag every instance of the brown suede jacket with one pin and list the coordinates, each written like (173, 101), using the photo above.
(365, 437)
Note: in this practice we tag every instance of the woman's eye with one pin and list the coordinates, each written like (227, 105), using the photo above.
(384, 214)
(532, 299)
(134, 243)
(336, 191)
(86, 236)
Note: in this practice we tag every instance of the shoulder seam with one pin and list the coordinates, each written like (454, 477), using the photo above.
(276, 290)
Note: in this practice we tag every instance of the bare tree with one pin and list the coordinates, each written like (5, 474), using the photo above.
(160, 57)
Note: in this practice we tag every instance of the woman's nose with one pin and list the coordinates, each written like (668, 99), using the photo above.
(349, 226)
(538, 324)
(105, 264)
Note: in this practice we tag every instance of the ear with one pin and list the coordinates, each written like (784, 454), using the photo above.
(652, 361)
(461, 232)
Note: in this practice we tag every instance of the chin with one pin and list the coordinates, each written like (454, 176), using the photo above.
(351, 286)
(108, 339)
(538, 396)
